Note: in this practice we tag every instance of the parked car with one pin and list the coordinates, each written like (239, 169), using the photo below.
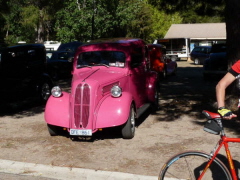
(159, 62)
(60, 62)
(112, 85)
(217, 64)
(157, 59)
(171, 66)
(23, 71)
(70, 47)
(200, 53)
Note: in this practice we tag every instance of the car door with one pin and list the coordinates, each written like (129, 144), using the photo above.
(35, 62)
(138, 76)
(204, 54)
(13, 69)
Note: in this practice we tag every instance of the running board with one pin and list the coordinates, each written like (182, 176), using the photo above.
(142, 109)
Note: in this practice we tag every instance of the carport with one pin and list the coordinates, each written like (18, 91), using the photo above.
(198, 34)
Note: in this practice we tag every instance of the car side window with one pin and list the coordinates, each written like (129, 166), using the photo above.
(63, 56)
(196, 50)
(202, 50)
(16, 56)
(205, 50)
(137, 57)
(208, 50)
(31, 53)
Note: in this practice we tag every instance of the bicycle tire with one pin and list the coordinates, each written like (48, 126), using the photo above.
(190, 164)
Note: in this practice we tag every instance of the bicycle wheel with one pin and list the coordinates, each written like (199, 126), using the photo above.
(189, 165)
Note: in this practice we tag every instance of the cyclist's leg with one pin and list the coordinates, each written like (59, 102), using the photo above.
(189, 165)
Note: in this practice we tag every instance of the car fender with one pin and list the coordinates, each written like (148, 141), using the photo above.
(151, 86)
(114, 111)
(57, 110)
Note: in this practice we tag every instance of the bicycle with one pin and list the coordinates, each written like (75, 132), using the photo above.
(196, 165)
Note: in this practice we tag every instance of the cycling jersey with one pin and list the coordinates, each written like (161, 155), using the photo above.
(235, 69)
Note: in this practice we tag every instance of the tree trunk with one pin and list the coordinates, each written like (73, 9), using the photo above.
(40, 29)
(233, 47)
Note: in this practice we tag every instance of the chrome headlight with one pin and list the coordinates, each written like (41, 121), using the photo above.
(56, 91)
(116, 91)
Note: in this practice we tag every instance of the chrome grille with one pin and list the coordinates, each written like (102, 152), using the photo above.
(81, 105)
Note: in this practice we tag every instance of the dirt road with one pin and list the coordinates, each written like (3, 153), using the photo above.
(176, 127)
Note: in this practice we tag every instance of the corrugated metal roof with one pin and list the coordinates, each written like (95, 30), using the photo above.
(197, 31)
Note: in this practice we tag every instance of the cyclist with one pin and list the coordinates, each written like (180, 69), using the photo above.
(232, 74)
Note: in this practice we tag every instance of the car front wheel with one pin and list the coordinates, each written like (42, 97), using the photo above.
(128, 129)
(45, 91)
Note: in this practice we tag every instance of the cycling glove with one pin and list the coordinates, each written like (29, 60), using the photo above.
(225, 112)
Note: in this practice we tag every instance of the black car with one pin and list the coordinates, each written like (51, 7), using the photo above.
(70, 47)
(216, 65)
(23, 72)
(59, 63)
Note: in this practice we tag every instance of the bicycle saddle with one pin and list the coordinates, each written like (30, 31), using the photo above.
(211, 115)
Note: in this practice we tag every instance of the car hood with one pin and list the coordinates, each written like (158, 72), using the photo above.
(100, 74)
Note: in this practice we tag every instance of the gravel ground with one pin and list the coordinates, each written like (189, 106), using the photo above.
(176, 127)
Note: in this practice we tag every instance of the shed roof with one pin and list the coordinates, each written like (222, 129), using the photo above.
(197, 31)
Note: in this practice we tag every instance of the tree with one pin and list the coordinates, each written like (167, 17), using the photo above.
(233, 47)
(44, 10)
(11, 28)
(102, 19)
(73, 22)
(193, 11)
(30, 19)
(161, 22)
(37, 20)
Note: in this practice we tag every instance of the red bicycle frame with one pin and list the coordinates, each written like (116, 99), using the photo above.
(223, 141)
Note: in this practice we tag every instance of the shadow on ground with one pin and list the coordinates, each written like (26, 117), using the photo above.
(20, 105)
(188, 93)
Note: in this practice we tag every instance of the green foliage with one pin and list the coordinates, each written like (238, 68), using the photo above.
(193, 11)
(162, 22)
(29, 21)
(141, 24)
(11, 26)
(82, 20)
(73, 22)
(103, 19)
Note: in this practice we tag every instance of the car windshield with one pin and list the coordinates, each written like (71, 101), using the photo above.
(96, 58)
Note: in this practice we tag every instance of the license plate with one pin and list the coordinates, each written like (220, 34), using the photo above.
(78, 132)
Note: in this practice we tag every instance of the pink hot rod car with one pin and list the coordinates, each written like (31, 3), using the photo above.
(112, 85)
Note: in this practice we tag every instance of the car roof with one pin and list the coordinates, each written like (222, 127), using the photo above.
(27, 45)
(124, 45)
(23, 47)
(203, 46)
(71, 46)
(114, 41)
